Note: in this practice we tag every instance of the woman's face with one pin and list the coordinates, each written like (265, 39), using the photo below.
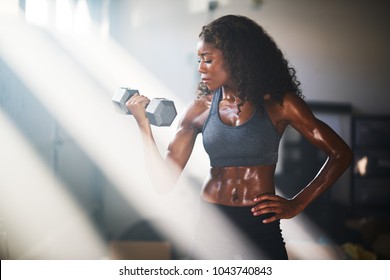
(211, 66)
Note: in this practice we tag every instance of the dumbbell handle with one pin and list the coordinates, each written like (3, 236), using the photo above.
(160, 111)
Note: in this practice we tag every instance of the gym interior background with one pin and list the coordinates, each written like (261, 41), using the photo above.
(73, 183)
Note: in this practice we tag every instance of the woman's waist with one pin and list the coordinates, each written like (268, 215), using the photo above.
(242, 177)
(238, 186)
(243, 172)
(230, 198)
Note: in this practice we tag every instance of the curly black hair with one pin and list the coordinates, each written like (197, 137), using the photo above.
(252, 59)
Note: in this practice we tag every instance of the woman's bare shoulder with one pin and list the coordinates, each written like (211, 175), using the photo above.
(282, 113)
(197, 111)
(200, 105)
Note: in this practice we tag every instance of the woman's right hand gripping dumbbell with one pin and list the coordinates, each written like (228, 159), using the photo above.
(137, 106)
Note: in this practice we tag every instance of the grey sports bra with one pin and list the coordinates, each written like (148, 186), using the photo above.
(256, 142)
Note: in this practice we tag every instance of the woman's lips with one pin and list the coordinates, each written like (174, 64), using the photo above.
(205, 81)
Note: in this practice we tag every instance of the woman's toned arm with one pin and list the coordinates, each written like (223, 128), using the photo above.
(296, 113)
(165, 171)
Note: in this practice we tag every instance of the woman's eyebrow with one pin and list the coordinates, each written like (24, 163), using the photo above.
(204, 54)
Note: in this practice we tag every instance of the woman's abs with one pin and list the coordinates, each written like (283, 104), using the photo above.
(237, 186)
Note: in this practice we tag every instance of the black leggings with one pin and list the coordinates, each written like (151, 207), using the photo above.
(249, 238)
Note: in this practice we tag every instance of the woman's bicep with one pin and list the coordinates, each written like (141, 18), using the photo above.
(182, 145)
(180, 148)
(314, 130)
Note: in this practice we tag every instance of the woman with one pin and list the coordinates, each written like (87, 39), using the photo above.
(248, 95)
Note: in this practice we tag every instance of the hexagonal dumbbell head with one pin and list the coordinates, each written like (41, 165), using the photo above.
(161, 112)
(120, 98)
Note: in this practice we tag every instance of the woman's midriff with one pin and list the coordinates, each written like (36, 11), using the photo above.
(237, 186)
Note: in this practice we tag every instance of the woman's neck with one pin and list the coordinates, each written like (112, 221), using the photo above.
(230, 95)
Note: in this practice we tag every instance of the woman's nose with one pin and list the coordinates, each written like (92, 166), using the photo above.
(201, 68)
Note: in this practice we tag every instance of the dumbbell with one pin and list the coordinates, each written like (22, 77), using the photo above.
(160, 111)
